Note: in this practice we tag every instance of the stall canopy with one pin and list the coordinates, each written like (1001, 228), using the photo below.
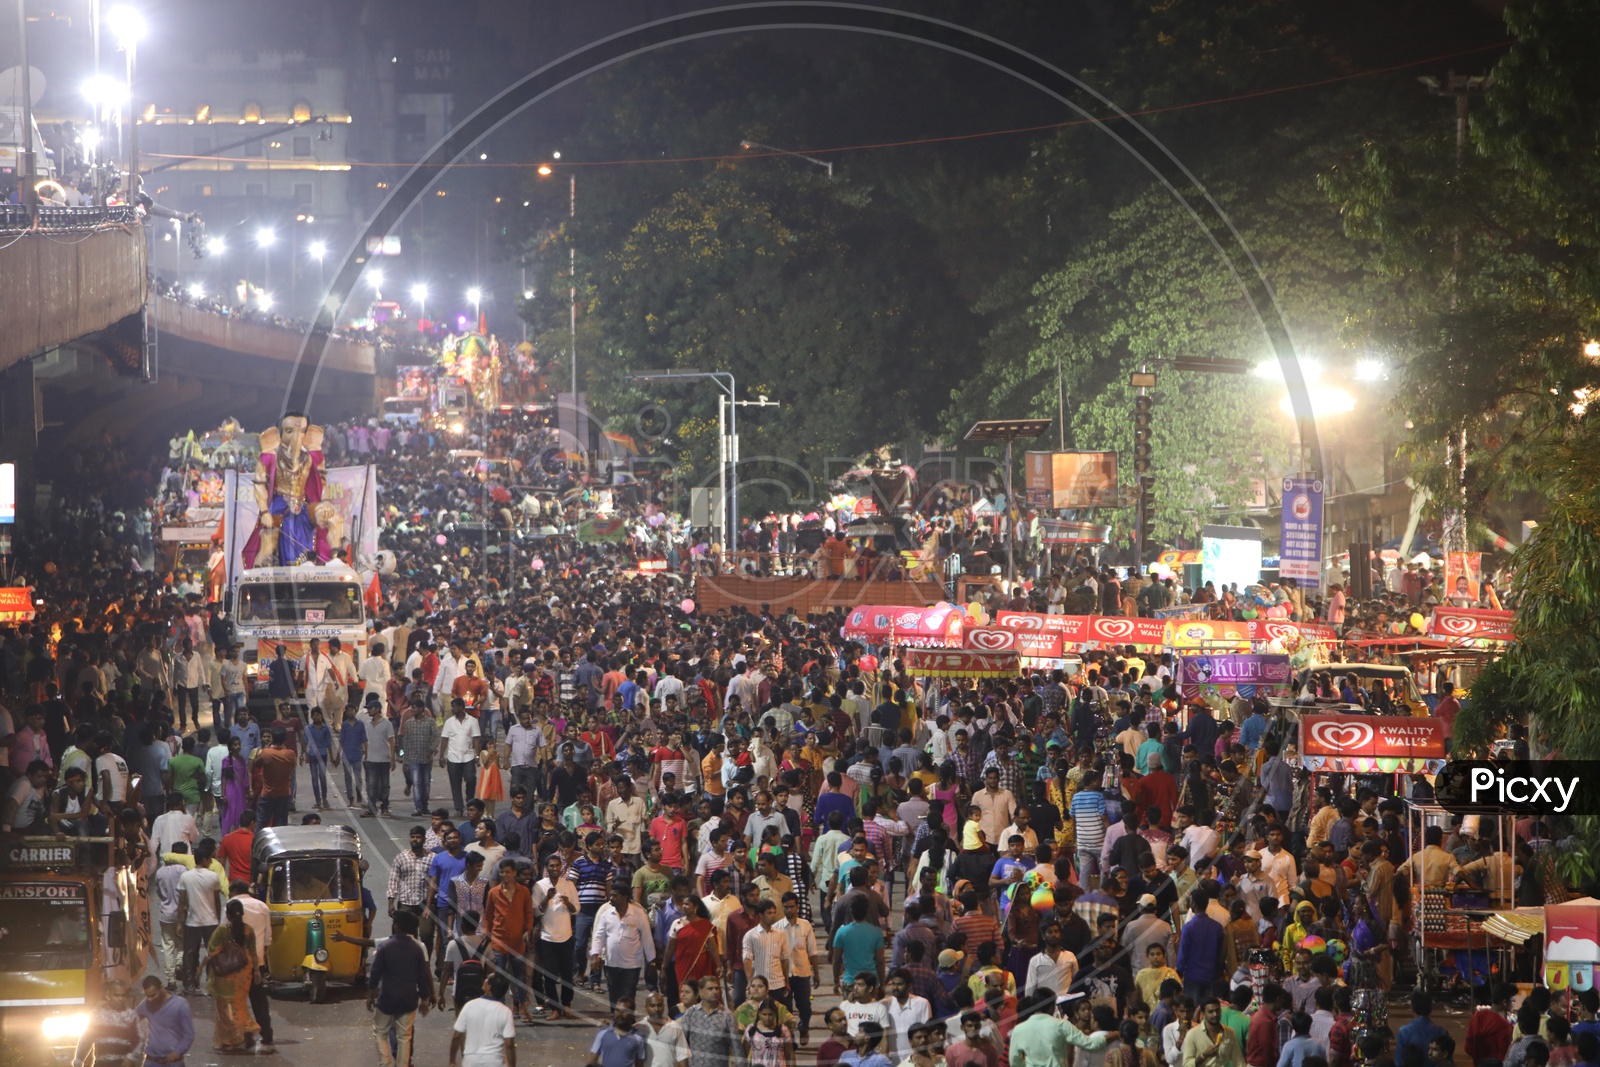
(1282, 629)
(1087, 630)
(16, 604)
(882, 623)
(962, 663)
(1470, 622)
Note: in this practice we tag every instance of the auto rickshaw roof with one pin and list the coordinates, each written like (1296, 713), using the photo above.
(306, 840)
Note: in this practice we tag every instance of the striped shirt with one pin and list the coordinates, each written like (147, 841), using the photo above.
(1089, 819)
(592, 878)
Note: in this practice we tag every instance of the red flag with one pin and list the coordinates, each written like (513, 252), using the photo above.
(374, 596)
(483, 324)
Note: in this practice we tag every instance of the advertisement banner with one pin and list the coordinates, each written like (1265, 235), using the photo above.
(1372, 736)
(1072, 628)
(1217, 635)
(1226, 676)
(1470, 622)
(1035, 645)
(1065, 532)
(1283, 630)
(352, 490)
(905, 625)
(1178, 557)
(1300, 544)
(16, 604)
(962, 663)
(1072, 479)
(1115, 630)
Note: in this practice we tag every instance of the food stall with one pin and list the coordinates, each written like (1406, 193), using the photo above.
(895, 625)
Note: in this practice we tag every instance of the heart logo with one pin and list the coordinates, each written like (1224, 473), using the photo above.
(1112, 629)
(1458, 624)
(1342, 736)
(1022, 622)
(991, 640)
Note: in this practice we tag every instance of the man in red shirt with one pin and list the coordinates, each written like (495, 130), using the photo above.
(670, 828)
(610, 682)
(470, 688)
(1261, 1046)
(1447, 709)
(276, 763)
(508, 924)
(234, 849)
(1157, 789)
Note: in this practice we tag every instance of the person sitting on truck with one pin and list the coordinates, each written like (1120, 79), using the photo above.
(24, 811)
(72, 810)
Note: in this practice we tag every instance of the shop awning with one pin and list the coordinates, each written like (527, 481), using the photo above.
(962, 663)
(906, 625)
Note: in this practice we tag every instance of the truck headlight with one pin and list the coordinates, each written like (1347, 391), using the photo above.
(65, 1027)
(457, 427)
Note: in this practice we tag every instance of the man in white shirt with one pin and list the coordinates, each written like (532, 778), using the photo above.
(766, 951)
(1278, 866)
(200, 899)
(1199, 839)
(1056, 967)
(626, 815)
(804, 957)
(906, 1010)
(171, 826)
(623, 943)
(485, 1032)
(189, 676)
(460, 738)
(316, 674)
(450, 668)
(555, 902)
(374, 675)
(668, 1046)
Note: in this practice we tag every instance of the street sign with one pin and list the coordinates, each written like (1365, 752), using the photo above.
(1300, 545)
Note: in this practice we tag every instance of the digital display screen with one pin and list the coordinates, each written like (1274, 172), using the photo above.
(8, 492)
(1227, 560)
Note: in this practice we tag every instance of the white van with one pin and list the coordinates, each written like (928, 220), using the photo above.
(290, 605)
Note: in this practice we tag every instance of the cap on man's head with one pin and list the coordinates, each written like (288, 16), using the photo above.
(951, 958)
(1148, 900)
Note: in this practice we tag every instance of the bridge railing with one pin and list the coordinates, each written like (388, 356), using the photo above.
(15, 218)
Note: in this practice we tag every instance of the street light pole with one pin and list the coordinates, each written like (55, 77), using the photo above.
(823, 163)
(728, 437)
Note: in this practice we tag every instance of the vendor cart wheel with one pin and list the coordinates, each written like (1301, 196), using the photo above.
(318, 985)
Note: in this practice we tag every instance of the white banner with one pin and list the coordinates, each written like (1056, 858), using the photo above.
(352, 490)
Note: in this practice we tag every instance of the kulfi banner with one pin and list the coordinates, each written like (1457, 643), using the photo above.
(1228, 676)
(353, 491)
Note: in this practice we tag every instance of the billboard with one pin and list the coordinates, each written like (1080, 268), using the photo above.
(1463, 577)
(8, 492)
(1230, 555)
(1072, 479)
(1300, 542)
(1227, 676)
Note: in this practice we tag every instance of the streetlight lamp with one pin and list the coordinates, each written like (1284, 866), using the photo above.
(266, 237)
(475, 295)
(128, 26)
(105, 95)
(728, 436)
(823, 163)
(419, 293)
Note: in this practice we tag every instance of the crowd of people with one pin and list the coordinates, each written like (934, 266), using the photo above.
(706, 822)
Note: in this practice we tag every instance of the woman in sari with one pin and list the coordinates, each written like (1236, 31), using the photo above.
(235, 786)
(1058, 793)
(235, 1024)
(1369, 947)
(693, 951)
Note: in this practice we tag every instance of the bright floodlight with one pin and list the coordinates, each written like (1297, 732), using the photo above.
(266, 236)
(126, 24)
(196, 291)
(265, 301)
(1369, 370)
(216, 245)
(1591, 349)
(104, 91)
(475, 295)
(545, 170)
(419, 292)
(318, 249)
(91, 140)
(1325, 400)
(376, 278)
(527, 294)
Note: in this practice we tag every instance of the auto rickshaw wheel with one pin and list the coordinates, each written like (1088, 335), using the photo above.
(317, 983)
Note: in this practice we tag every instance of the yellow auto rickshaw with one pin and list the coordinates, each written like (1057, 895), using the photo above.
(311, 879)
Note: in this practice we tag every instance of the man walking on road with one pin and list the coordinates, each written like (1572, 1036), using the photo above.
(508, 924)
(459, 755)
(400, 985)
(419, 740)
(378, 756)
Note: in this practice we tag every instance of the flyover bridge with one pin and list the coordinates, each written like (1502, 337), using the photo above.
(90, 347)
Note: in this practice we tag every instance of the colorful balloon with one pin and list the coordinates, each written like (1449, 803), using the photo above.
(687, 607)
(441, 540)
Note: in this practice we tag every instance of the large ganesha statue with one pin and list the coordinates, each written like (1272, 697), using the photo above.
(293, 524)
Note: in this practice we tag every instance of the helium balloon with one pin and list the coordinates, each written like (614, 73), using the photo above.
(1418, 623)
(441, 540)
(687, 607)
(49, 568)
(1043, 899)
(1247, 613)
(1314, 945)
(537, 564)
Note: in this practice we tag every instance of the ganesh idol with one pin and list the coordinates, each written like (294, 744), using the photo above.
(293, 525)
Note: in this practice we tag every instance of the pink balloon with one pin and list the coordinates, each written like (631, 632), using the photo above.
(442, 540)
(687, 607)
(538, 564)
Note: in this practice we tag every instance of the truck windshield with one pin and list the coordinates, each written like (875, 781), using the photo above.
(44, 935)
(405, 405)
(299, 601)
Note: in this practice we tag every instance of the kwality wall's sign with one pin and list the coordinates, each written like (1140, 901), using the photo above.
(1032, 644)
(1470, 622)
(1284, 630)
(1227, 676)
(1087, 629)
(1385, 737)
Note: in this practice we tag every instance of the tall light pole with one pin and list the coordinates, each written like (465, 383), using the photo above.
(129, 27)
(728, 432)
(26, 195)
(823, 163)
(545, 170)
(475, 295)
(266, 237)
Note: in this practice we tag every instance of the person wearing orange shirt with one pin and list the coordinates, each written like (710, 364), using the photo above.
(235, 848)
(508, 926)
(470, 689)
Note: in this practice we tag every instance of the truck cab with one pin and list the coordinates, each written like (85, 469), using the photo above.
(71, 919)
(289, 606)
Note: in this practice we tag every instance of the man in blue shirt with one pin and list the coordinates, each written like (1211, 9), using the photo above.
(857, 947)
(248, 733)
(587, 677)
(171, 1026)
(1300, 1047)
(352, 749)
(1419, 1033)
(1277, 778)
(1254, 728)
(1199, 950)
(620, 1045)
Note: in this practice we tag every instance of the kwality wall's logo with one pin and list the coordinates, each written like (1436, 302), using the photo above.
(1548, 787)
